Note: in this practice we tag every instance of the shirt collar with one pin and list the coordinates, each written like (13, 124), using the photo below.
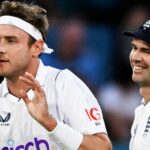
(143, 102)
(4, 88)
(41, 73)
(40, 76)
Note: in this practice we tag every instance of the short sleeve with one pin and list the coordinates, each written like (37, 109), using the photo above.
(80, 108)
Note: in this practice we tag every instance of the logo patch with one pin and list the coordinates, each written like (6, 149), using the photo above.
(5, 119)
(146, 25)
(35, 144)
(93, 114)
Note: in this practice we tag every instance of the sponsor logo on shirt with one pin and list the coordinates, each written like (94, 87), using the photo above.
(93, 115)
(4, 120)
(36, 144)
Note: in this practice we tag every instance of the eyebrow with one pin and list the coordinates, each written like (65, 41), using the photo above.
(10, 36)
(147, 46)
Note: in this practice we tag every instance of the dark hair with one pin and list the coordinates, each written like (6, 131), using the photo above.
(31, 13)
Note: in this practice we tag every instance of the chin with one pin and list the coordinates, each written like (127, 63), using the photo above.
(136, 79)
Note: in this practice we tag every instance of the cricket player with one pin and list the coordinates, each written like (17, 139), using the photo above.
(140, 63)
(41, 107)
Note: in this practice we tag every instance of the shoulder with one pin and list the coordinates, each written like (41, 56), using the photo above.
(67, 80)
(65, 73)
(59, 76)
(68, 77)
(51, 72)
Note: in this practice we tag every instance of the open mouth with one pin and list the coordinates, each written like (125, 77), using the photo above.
(138, 68)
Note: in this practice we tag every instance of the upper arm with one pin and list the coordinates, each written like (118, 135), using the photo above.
(82, 112)
(78, 105)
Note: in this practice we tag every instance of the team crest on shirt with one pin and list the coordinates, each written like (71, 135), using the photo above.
(5, 119)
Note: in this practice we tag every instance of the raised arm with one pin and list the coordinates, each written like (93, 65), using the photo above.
(38, 109)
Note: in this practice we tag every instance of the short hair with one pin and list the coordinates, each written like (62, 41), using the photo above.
(33, 14)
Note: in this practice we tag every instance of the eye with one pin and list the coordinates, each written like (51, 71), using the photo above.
(11, 40)
(133, 47)
(147, 51)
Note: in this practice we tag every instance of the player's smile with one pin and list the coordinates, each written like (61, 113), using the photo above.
(140, 63)
(139, 69)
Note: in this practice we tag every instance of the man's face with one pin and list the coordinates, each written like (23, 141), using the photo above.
(15, 53)
(140, 62)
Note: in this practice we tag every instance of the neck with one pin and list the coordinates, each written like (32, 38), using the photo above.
(15, 85)
(145, 92)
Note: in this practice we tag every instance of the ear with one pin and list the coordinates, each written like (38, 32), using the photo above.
(37, 47)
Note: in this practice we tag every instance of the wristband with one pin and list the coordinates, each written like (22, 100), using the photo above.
(66, 137)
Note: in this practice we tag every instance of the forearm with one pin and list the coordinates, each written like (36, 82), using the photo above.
(67, 135)
(98, 141)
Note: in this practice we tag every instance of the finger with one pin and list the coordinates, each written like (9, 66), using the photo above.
(29, 80)
(33, 83)
(24, 96)
(29, 76)
(26, 81)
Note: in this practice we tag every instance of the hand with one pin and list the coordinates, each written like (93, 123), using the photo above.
(37, 107)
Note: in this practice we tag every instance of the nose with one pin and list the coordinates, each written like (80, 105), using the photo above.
(2, 49)
(136, 56)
